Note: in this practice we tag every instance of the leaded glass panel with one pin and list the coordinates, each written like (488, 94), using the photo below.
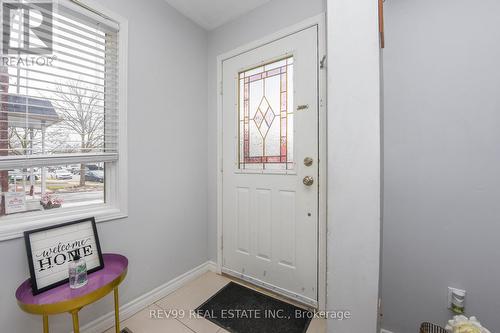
(266, 116)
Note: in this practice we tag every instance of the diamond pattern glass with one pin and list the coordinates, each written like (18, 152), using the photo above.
(265, 115)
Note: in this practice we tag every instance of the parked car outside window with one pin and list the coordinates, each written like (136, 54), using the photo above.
(95, 176)
(63, 174)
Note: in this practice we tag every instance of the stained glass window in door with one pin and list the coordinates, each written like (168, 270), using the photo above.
(266, 116)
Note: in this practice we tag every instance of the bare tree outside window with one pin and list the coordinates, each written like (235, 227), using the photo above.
(80, 109)
(24, 141)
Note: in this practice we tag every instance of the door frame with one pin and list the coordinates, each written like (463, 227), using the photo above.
(315, 21)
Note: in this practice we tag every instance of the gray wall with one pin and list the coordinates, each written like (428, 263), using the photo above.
(166, 232)
(442, 160)
(263, 21)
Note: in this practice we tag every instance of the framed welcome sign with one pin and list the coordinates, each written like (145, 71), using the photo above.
(50, 250)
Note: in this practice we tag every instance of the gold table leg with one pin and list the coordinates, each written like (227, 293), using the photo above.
(117, 311)
(45, 323)
(76, 325)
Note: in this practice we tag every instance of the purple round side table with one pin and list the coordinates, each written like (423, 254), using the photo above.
(64, 299)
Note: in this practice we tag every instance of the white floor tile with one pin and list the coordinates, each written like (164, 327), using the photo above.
(317, 326)
(200, 325)
(142, 322)
(194, 293)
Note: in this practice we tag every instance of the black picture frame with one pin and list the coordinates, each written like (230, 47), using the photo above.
(27, 238)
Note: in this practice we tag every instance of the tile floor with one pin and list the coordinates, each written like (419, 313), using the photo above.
(188, 298)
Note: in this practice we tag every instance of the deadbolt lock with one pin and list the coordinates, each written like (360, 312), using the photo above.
(308, 180)
(308, 161)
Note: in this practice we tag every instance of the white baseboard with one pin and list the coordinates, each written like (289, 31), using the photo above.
(107, 321)
(211, 265)
(385, 331)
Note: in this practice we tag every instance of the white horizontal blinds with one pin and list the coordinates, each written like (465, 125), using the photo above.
(61, 106)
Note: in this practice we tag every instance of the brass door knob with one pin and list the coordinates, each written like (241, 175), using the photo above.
(308, 180)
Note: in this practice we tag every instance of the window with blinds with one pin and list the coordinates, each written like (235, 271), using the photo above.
(59, 119)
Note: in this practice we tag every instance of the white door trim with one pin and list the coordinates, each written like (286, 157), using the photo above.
(318, 21)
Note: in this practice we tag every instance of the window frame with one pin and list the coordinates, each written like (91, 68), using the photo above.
(116, 180)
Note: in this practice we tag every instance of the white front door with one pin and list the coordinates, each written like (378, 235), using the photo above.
(270, 166)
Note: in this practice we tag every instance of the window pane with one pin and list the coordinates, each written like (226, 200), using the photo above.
(61, 103)
(66, 101)
(47, 188)
(265, 113)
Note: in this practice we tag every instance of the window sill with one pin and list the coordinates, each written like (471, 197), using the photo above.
(14, 226)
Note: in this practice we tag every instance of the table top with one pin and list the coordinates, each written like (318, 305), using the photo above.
(63, 298)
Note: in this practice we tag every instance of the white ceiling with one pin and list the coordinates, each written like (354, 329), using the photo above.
(213, 13)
